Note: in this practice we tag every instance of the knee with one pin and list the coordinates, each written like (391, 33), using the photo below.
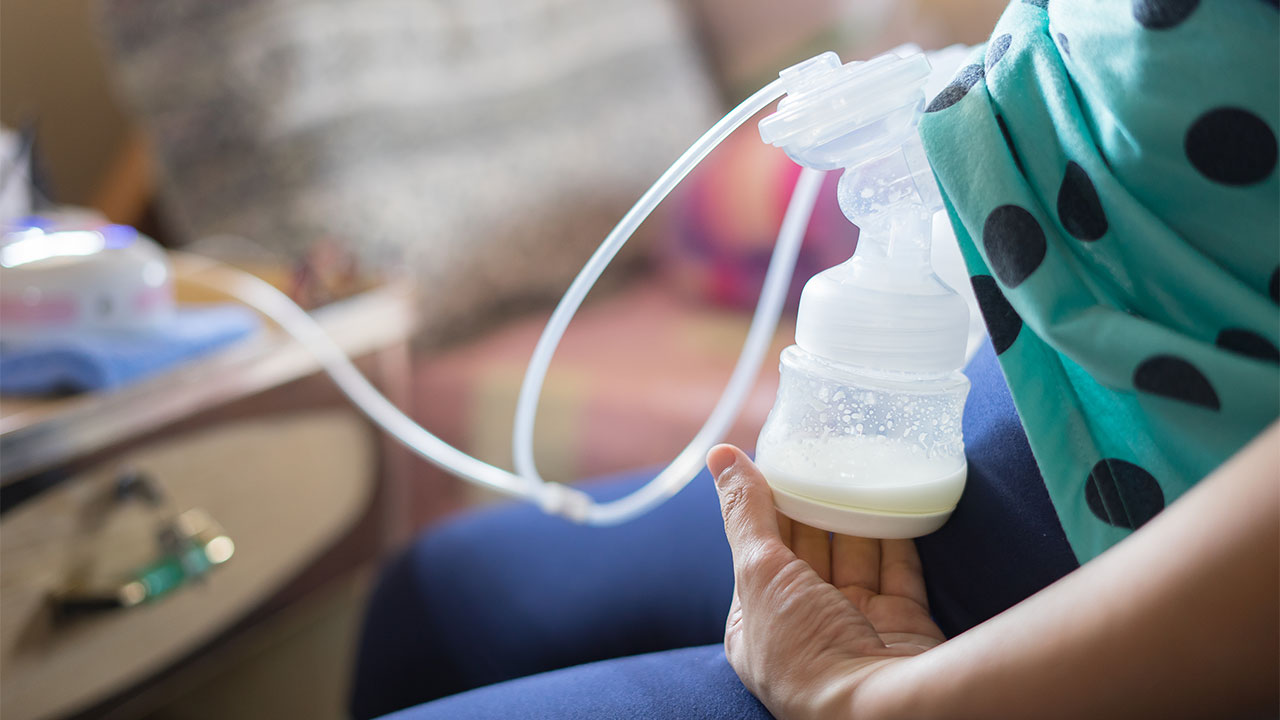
(408, 645)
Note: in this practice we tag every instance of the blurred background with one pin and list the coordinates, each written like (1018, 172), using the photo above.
(429, 175)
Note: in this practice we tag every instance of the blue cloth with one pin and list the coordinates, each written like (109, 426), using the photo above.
(686, 683)
(103, 360)
(1004, 542)
(508, 592)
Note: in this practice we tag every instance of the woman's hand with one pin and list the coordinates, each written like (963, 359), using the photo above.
(1177, 621)
(813, 614)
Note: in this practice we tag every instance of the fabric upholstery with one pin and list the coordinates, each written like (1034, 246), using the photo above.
(483, 147)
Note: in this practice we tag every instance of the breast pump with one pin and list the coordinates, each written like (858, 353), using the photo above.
(865, 435)
(865, 438)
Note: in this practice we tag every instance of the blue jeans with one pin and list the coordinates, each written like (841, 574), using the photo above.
(510, 592)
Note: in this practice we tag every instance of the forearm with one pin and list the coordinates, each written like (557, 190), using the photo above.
(1179, 620)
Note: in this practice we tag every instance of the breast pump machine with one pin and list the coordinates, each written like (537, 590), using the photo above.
(864, 438)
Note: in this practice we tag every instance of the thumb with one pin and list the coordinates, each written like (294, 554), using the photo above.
(745, 498)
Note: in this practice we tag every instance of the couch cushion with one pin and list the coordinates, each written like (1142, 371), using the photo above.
(483, 146)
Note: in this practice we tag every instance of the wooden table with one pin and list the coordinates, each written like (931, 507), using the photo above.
(305, 488)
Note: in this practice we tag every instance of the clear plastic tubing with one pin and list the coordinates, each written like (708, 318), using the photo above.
(689, 461)
(281, 309)
(553, 497)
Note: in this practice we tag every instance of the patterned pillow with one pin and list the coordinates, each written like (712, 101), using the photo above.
(485, 146)
(722, 226)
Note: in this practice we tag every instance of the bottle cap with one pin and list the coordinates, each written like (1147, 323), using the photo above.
(876, 314)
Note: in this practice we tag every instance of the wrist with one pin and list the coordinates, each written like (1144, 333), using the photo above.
(894, 691)
(824, 695)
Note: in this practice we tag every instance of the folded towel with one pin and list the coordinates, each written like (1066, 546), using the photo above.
(102, 360)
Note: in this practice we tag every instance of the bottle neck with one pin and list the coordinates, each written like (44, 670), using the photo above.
(902, 238)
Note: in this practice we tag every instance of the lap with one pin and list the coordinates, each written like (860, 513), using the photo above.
(692, 682)
(508, 592)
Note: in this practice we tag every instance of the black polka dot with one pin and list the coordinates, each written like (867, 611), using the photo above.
(1064, 44)
(1008, 140)
(1247, 342)
(1231, 146)
(1122, 494)
(1175, 378)
(968, 76)
(1037, 3)
(997, 48)
(1003, 322)
(1079, 208)
(1273, 287)
(1162, 14)
(1014, 243)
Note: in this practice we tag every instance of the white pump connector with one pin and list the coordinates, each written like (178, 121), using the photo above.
(835, 116)
(865, 436)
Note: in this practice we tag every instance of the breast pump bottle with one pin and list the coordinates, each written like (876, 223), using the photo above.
(864, 438)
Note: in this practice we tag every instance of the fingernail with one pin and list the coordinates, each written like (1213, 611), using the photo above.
(721, 458)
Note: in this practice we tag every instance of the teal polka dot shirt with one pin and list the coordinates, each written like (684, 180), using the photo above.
(1110, 170)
